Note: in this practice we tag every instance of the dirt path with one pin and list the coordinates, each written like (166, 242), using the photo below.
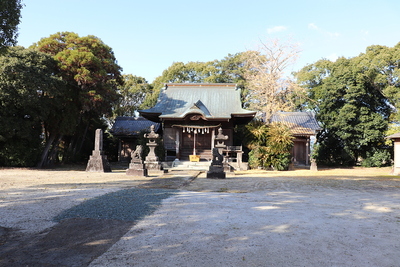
(29, 199)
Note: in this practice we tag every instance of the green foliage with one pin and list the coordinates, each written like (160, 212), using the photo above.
(270, 145)
(392, 129)
(88, 65)
(30, 98)
(10, 14)
(349, 104)
(228, 70)
(377, 158)
(331, 151)
(132, 94)
(92, 75)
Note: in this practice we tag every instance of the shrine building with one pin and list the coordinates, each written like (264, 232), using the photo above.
(191, 115)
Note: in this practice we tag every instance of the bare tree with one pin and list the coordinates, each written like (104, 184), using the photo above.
(270, 87)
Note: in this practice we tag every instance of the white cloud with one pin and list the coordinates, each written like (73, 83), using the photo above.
(276, 29)
(364, 32)
(312, 26)
(331, 35)
(332, 57)
(364, 35)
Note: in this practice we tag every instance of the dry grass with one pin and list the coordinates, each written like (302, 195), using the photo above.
(355, 172)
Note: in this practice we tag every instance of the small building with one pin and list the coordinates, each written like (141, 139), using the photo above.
(191, 115)
(304, 127)
(127, 130)
(396, 146)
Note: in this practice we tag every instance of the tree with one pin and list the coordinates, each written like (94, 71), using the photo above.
(30, 96)
(90, 69)
(382, 67)
(270, 89)
(10, 14)
(353, 112)
(228, 70)
(132, 92)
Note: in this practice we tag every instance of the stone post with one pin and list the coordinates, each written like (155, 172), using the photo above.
(313, 166)
(97, 161)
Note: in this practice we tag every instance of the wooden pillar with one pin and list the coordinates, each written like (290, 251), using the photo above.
(212, 138)
(177, 141)
(307, 151)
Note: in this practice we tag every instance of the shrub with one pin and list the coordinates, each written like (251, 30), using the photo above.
(377, 158)
(270, 145)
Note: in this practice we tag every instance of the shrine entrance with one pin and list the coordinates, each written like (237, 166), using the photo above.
(196, 140)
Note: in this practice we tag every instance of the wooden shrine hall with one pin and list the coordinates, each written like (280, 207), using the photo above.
(191, 115)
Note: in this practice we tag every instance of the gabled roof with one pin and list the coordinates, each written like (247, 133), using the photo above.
(300, 123)
(394, 136)
(212, 101)
(131, 126)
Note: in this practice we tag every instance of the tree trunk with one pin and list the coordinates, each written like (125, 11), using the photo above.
(53, 152)
(45, 153)
(83, 137)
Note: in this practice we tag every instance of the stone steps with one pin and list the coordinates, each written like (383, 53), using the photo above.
(187, 165)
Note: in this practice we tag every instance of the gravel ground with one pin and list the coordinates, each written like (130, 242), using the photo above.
(278, 228)
(346, 219)
(124, 205)
(329, 218)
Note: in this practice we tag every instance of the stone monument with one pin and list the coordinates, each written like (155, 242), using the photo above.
(151, 161)
(136, 167)
(97, 161)
(313, 166)
(216, 170)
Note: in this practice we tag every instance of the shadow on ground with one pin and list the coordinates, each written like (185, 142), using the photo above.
(84, 232)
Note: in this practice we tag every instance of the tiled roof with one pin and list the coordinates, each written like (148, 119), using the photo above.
(131, 126)
(394, 136)
(300, 123)
(213, 101)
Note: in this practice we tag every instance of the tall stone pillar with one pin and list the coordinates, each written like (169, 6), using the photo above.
(97, 161)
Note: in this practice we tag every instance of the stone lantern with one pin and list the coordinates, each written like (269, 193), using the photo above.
(220, 139)
(151, 161)
(216, 169)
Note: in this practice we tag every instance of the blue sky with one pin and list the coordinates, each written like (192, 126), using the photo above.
(148, 36)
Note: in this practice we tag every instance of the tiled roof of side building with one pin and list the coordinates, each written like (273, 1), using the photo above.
(300, 123)
(394, 136)
(131, 126)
